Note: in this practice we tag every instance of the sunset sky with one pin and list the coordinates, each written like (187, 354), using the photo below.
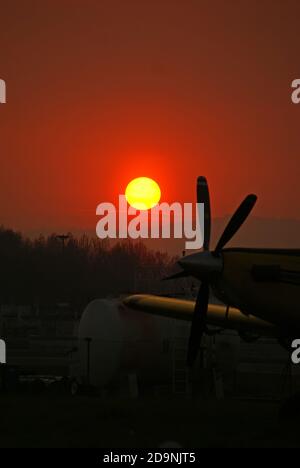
(101, 92)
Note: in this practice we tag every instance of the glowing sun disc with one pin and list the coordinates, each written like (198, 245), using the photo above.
(142, 193)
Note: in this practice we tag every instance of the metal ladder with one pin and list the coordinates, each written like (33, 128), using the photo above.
(180, 372)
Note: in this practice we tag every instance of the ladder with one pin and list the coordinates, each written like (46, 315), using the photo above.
(180, 372)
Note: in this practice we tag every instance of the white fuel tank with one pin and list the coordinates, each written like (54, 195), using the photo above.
(114, 339)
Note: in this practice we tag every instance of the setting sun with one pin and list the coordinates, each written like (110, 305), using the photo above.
(142, 193)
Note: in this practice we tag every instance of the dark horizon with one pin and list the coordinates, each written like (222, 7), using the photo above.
(257, 232)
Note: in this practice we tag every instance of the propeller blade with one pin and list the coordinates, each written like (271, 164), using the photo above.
(236, 221)
(198, 323)
(203, 197)
(179, 274)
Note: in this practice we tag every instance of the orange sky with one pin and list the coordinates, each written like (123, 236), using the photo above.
(100, 92)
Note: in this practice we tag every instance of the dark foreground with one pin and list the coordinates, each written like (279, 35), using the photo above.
(52, 421)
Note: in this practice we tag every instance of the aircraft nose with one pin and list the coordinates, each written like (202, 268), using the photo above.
(202, 265)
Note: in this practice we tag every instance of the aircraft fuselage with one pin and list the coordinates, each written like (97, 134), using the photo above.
(264, 283)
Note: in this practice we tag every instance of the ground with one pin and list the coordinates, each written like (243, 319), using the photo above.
(54, 421)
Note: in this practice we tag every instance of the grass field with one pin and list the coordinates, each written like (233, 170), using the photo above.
(52, 421)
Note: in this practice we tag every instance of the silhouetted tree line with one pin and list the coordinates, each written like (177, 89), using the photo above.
(46, 272)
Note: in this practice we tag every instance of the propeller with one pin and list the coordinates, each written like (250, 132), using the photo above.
(236, 221)
(198, 323)
(207, 265)
(203, 197)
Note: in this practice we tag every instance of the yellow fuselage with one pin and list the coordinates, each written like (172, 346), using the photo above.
(272, 297)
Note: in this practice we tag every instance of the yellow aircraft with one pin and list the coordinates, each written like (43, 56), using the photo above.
(258, 287)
